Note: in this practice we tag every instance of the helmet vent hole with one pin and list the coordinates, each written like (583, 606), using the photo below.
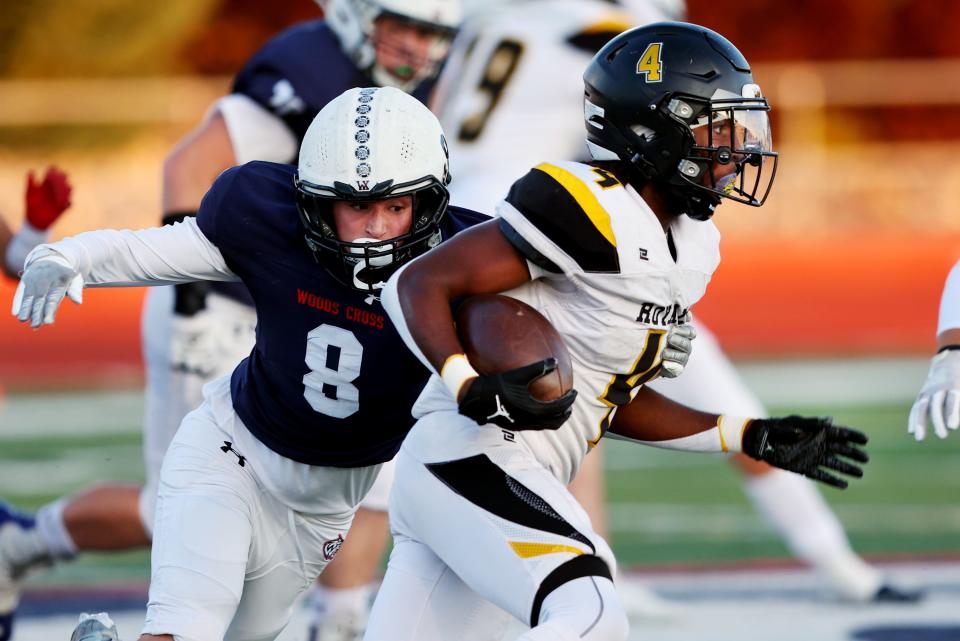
(407, 149)
(613, 54)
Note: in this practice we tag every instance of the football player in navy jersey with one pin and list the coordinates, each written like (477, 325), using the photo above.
(196, 332)
(261, 482)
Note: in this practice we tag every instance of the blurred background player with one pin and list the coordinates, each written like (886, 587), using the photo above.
(197, 332)
(507, 98)
(45, 202)
(938, 403)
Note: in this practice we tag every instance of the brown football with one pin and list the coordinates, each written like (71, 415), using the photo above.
(500, 333)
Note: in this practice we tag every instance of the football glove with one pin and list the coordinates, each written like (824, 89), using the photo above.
(43, 284)
(195, 343)
(677, 351)
(807, 446)
(939, 399)
(48, 199)
(505, 400)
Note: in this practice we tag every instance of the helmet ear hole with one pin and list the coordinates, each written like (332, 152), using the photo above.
(690, 169)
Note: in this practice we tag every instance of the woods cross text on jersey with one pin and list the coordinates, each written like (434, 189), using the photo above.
(653, 314)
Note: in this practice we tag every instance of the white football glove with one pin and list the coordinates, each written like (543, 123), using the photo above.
(195, 343)
(677, 351)
(939, 399)
(43, 284)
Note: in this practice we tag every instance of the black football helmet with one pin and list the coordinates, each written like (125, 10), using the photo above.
(677, 103)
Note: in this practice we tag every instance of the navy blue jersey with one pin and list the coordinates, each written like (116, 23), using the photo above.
(293, 76)
(299, 71)
(329, 381)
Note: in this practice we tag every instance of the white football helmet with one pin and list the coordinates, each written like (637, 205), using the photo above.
(365, 145)
(353, 22)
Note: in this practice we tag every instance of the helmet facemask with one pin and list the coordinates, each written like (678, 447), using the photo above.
(366, 264)
(730, 154)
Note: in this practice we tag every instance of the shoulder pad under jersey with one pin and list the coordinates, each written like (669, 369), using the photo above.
(561, 203)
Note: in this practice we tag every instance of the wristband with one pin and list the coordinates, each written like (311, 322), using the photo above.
(948, 348)
(731, 429)
(456, 371)
(726, 436)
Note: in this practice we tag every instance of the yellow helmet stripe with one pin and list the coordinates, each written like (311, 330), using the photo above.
(526, 550)
(614, 23)
(584, 197)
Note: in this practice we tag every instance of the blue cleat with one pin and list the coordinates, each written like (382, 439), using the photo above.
(6, 626)
(95, 627)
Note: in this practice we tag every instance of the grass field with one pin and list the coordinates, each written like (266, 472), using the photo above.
(665, 507)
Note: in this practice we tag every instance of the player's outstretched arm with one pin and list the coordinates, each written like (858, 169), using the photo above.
(938, 402)
(417, 298)
(46, 200)
(111, 258)
(813, 447)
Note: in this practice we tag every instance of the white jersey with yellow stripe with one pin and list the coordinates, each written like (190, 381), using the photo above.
(610, 281)
(511, 93)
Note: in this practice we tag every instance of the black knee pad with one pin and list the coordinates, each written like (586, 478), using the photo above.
(575, 568)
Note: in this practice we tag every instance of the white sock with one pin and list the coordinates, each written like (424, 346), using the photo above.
(23, 549)
(334, 602)
(53, 531)
(794, 507)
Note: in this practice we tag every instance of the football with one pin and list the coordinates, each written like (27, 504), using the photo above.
(500, 333)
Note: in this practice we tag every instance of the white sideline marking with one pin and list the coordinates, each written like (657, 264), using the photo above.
(741, 605)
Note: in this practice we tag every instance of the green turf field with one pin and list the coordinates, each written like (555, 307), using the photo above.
(665, 507)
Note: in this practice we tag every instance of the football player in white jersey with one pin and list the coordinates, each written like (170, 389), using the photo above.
(613, 253)
(938, 403)
(507, 97)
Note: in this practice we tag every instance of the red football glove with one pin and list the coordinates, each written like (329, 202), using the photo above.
(47, 200)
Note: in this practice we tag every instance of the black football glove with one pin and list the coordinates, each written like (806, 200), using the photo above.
(808, 446)
(505, 400)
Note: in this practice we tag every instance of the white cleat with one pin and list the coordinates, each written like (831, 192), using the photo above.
(95, 627)
(341, 626)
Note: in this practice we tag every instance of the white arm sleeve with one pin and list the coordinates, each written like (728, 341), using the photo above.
(391, 304)
(177, 253)
(726, 437)
(255, 133)
(950, 302)
(22, 244)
